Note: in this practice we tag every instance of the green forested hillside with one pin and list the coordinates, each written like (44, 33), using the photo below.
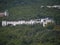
(30, 9)
(29, 34)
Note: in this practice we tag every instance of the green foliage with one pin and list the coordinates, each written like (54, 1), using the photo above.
(30, 9)
(28, 35)
(50, 26)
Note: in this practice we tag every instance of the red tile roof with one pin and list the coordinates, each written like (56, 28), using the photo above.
(2, 14)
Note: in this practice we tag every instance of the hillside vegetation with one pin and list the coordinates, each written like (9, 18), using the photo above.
(29, 34)
(30, 9)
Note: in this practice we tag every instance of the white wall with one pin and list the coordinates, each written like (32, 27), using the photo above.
(31, 22)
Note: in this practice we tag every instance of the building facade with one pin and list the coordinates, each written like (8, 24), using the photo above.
(43, 21)
(3, 14)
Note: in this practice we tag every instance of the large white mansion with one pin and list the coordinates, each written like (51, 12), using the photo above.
(42, 21)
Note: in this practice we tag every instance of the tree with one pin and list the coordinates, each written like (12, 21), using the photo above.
(50, 26)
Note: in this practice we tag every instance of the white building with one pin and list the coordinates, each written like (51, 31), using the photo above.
(54, 6)
(43, 21)
(3, 14)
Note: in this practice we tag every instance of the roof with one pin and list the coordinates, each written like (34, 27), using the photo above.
(2, 15)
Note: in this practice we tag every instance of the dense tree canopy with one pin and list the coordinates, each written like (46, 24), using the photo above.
(29, 34)
(30, 9)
